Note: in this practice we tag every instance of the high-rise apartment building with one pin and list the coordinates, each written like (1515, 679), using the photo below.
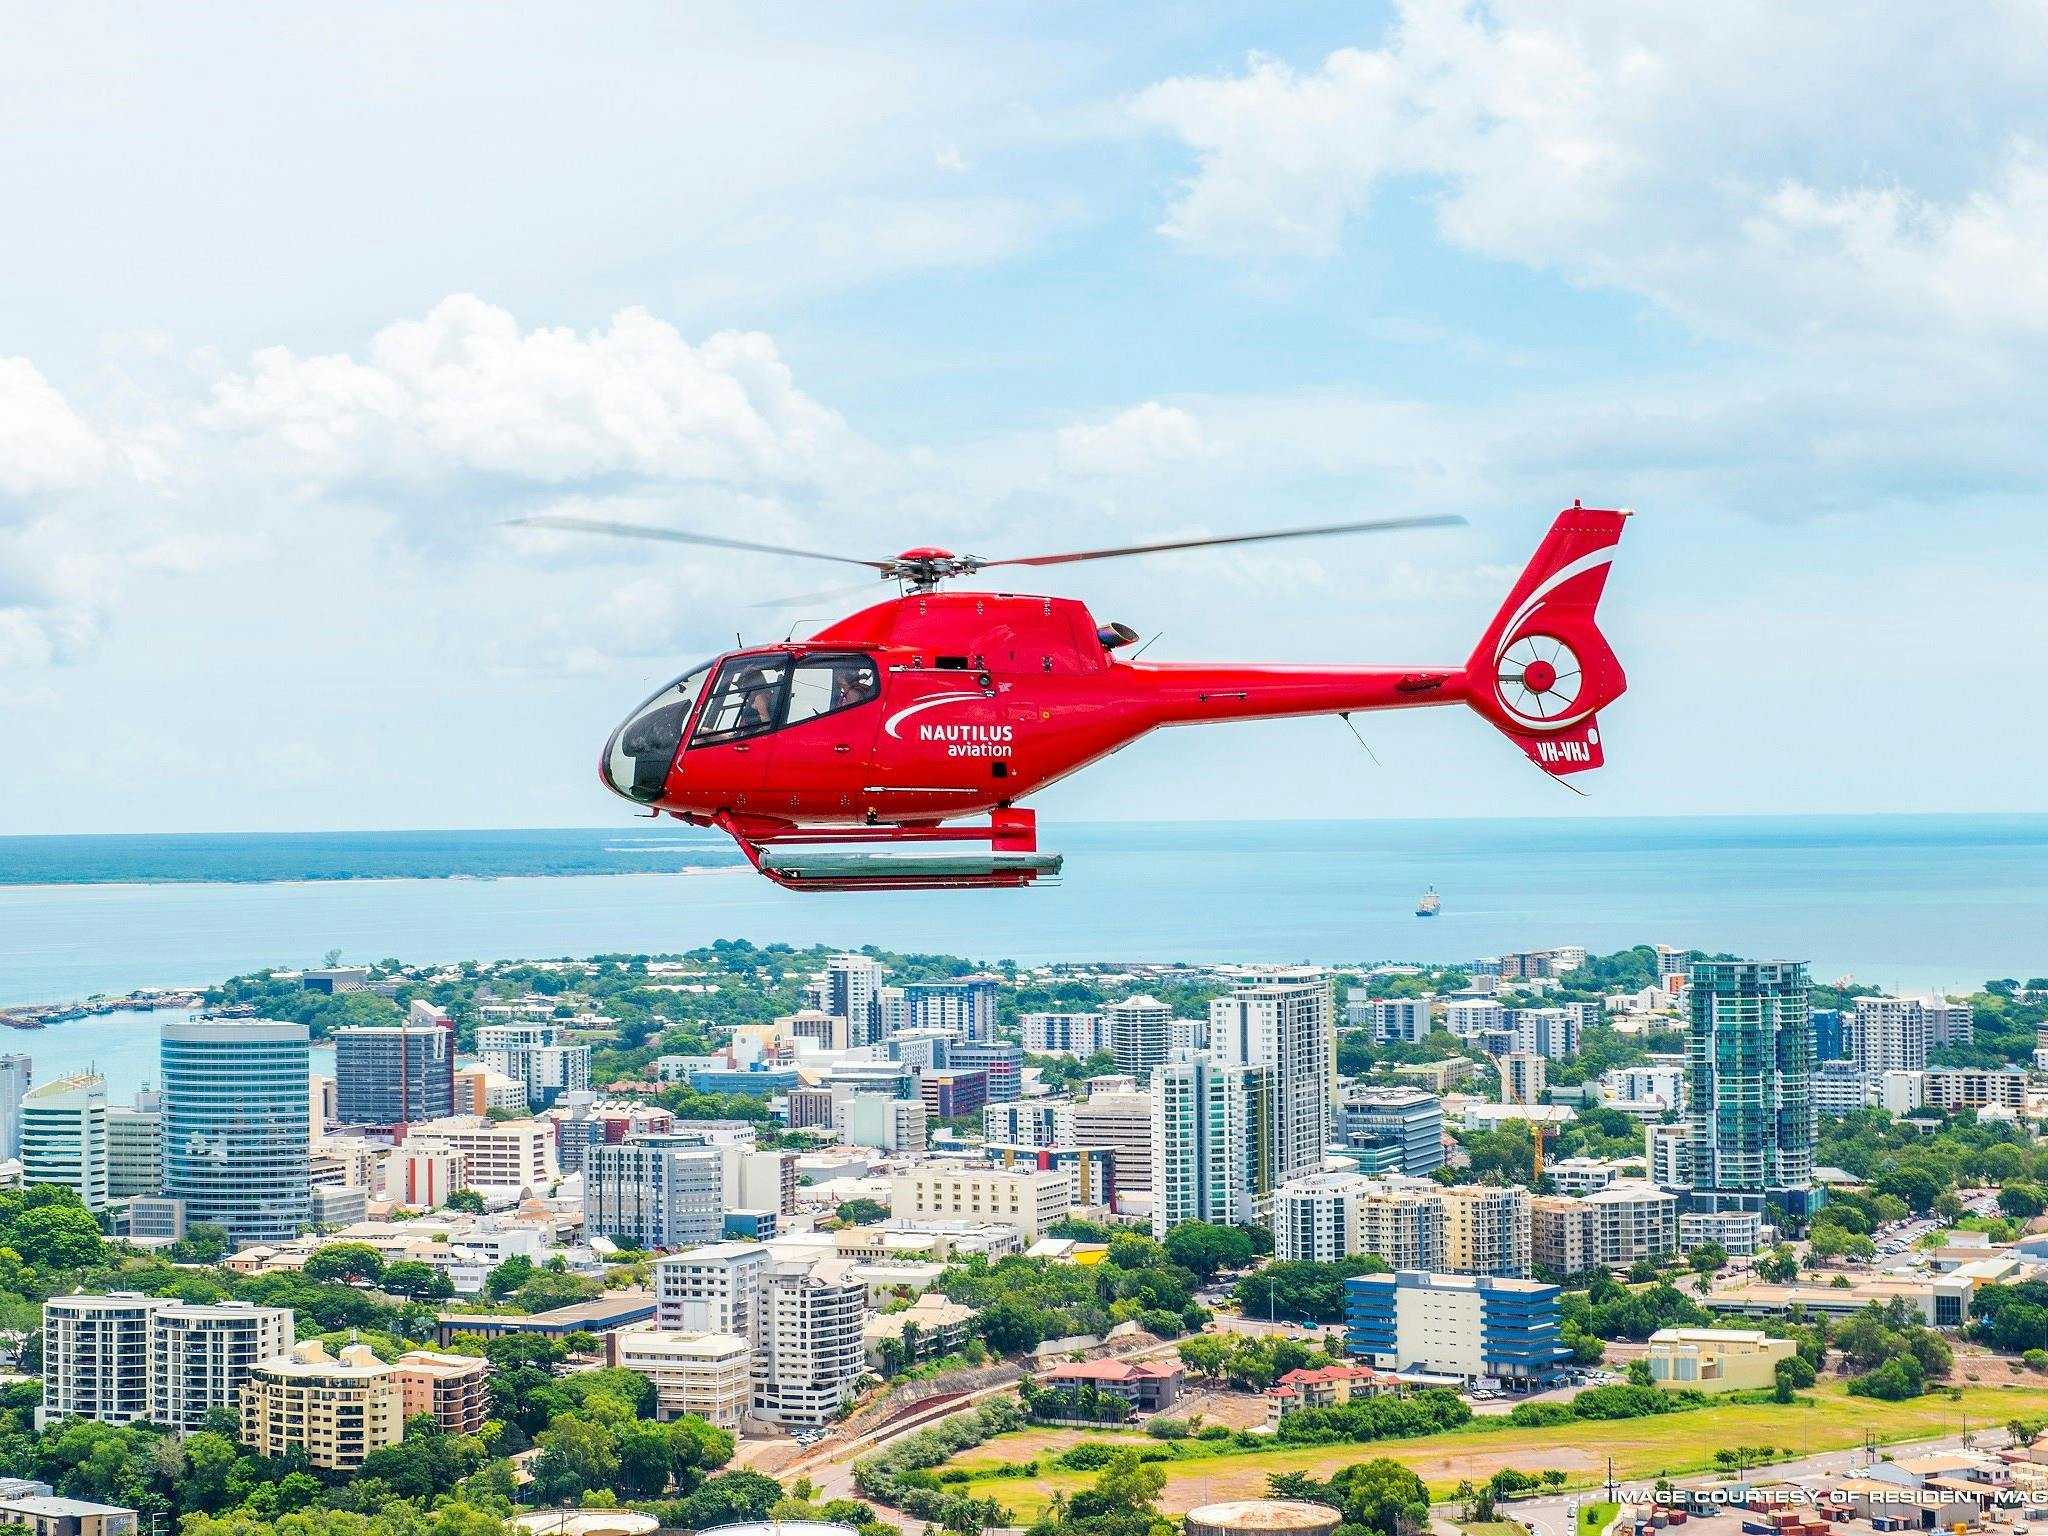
(535, 1056)
(1522, 1078)
(1552, 1033)
(455, 1389)
(1330, 1216)
(1122, 1122)
(1286, 1029)
(1486, 1229)
(1668, 1150)
(969, 1004)
(96, 1357)
(1140, 1031)
(395, 1074)
(1063, 1034)
(1212, 1143)
(64, 1136)
(335, 1410)
(1749, 1086)
(236, 1125)
(1042, 1124)
(1634, 1219)
(853, 984)
(1888, 1034)
(1473, 1016)
(1564, 1236)
(1399, 1019)
(17, 1076)
(713, 1289)
(201, 1356)
(809, 1352)
(1392, 1130)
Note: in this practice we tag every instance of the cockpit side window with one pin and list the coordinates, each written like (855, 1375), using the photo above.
(747, 700)
(824, 685)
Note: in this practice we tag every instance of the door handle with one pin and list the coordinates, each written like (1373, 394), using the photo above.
(842, 747)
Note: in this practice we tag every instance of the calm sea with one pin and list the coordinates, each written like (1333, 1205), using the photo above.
(1912, 901)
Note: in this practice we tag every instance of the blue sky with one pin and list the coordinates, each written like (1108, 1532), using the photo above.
(301, 308)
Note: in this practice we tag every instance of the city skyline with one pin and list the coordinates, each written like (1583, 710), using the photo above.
(1002, 285)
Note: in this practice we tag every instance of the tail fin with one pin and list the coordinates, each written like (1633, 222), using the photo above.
(1543, 668)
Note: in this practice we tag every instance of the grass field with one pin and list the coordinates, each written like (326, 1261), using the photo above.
(1827, 1419)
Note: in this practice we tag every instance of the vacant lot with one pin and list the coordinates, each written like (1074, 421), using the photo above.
(1641, 1448)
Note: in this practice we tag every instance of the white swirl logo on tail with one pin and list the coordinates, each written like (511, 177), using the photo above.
(1537, 677)
(922, 705)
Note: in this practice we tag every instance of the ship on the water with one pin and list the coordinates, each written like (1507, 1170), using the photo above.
(1430, 903)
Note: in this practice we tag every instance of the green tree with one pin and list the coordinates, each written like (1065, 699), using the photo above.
(408, 1277)
(56, 1237)
(1204, 1249)
(353, 1263)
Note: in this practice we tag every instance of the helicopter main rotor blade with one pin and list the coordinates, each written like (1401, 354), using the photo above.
(815, 597)
(1376, 525)
(678, 536)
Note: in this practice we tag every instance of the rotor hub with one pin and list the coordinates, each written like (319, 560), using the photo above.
(1539, 676)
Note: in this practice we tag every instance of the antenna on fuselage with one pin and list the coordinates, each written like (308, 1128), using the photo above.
(1345, 716)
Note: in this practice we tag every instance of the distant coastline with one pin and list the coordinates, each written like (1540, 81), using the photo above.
(291, 858)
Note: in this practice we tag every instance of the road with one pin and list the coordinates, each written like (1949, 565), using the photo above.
(829, 1464)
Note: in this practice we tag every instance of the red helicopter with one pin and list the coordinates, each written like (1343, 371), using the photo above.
(840, 762)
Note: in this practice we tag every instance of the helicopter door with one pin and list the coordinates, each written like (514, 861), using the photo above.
(734, 743)
(828, 733)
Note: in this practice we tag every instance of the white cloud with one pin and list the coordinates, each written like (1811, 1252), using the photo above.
(44, 444)
(1650, 148)
(465, 389)
(1144, 437)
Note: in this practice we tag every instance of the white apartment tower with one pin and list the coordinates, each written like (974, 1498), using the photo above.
(1211, 1143)
(713, 1289)
(853, 984)
(810, 1352)
(64, 1136)
(96, 1357)
(199, 1357)
(1140, 1034)
(1889, 1034)
(1284, 1027)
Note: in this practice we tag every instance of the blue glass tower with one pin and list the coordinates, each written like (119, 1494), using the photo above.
(237, 1125)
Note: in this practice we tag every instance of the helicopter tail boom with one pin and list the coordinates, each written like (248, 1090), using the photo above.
(1543, 670)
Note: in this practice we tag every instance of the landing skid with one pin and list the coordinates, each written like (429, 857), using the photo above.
(829, 859)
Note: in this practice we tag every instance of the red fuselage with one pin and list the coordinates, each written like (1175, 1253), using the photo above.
(948, 704)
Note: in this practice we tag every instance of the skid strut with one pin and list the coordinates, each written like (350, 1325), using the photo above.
(896, 858)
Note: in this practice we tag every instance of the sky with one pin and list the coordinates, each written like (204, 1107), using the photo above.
(298, 309)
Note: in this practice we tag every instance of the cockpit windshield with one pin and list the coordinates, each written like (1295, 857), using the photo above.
(638, 757)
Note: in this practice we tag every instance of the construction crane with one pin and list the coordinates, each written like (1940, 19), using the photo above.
(1538, 1131)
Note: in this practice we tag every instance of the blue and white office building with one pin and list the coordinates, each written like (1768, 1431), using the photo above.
(1472, 1327)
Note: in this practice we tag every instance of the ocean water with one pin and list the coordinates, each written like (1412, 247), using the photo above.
(122, 1046)
(1908, 900)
